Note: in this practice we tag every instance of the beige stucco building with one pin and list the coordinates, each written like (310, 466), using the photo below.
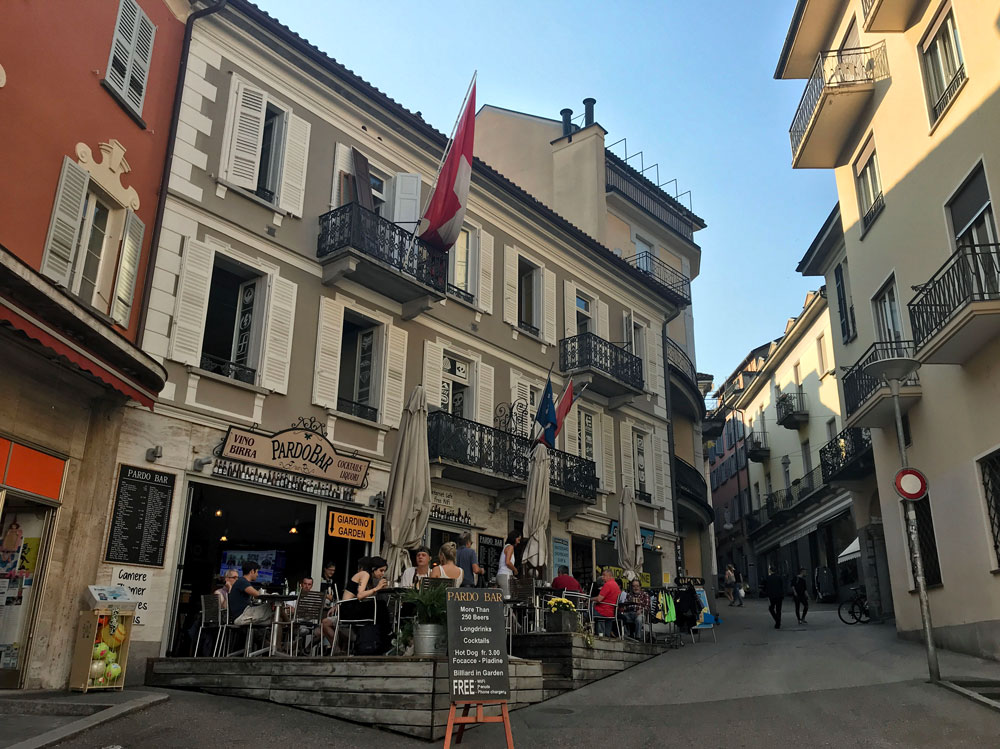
(904, 108)
(287, 293)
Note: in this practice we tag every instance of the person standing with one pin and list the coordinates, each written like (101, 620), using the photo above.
(468, 560)
(506, 567)
(774, 589)
(730, 584)
(800, 596)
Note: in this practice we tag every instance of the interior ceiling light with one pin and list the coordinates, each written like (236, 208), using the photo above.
(223, 537)
(218, 513)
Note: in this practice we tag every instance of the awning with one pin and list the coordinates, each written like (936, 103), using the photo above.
(851, 552)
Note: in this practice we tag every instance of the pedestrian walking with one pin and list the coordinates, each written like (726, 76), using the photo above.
(800, 596)
(774, 589)
(730, 584)
(738, 588)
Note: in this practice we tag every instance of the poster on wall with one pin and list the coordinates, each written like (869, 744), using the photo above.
(141, 515)
(560, 553)
(272, 563)
(20, 541)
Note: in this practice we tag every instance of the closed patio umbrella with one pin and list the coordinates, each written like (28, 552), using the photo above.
(629, 538)
(536, 508)
(408, 498)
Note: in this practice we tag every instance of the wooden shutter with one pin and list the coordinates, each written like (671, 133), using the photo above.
(603, 327)
(362, 180)
(653, 366)
(64, 226)
(510, 285)
(569, 309)
(485, 297)
(549, 306)
(433, 372)
(608, 450)
(329, 338)
(292, 189)
(406, 200)
(484, 393)
(193, 288)
(520, 390)
(142, 55)
(659, 469)
(628, 465)
(278, 335)
(128, 269)
(246, 128)
(395, 376)
(570, 431)
(122, 42)
(343, 170)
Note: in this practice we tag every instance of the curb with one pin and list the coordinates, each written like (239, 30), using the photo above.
(57, 735)
(974, 696)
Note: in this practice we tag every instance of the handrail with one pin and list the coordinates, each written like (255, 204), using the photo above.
(971, 274)
(590, 350)
(859, 385)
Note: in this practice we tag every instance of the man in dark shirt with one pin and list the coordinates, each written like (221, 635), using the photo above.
(634, 609)
(468, 561)
(565, 581)
(774, 589)
(800, 596)
(243, 592)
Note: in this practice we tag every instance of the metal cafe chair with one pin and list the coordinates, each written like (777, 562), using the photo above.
(613, 618)
(582, 602)
(356, 621)
(522, 604)
(308, 613)
(213, 618)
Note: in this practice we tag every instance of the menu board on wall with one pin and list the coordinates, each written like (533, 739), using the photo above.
(141, 515)
(490, 548)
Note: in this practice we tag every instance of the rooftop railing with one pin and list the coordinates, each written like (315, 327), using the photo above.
(619, 179)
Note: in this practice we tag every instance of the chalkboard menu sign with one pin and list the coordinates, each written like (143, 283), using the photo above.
(490, 548)
(139, 522)
(477, 645)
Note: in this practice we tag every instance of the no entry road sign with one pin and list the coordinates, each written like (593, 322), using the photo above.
(911, 484)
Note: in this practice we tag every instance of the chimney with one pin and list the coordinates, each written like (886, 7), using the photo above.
(588, 111)
(567, 116)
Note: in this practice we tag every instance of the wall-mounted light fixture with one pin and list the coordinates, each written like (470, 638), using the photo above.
(200, 463)
(153, 453)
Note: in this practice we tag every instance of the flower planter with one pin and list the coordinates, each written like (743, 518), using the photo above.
(560, 621)
(430, 639)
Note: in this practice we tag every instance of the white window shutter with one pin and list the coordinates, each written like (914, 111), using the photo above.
(395, 377)
(128, 269)
(329, 338)
(406, 200)
(520, 391)
(246, 130)
(142, 55)
(510, 285)
(484, 393)
(608, 449)
(659, 481)
(603, 328)
(628, 467)
(549, 302)
(627, 330)
(653, 366)
(433, 372)
(193, 287)
(278, 335)
(485, 297)
(570, 431)
(122, 43)
(569, 309)
(342, 164)
(64, 226)
(292, 190)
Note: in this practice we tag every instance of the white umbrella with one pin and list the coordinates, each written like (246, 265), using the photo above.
(408, 498)
(629, 537)
(536, 509)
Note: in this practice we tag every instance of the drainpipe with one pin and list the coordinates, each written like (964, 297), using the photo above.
(670, 434)
(161, 201)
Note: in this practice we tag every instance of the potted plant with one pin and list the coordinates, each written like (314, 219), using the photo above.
(560, 615)
(430, 628)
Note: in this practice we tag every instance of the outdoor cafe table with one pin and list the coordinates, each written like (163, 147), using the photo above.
(275, 600)
(393, 597)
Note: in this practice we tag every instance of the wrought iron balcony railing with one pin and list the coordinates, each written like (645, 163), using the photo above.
(836, 68)
(873, 211)
(572, 474)
(361, 410)
(672, 283)
(589, 350)
(527, 327)
(786, 499)
(756, 442)
(791, 405)
(641, 496)
(859, 385)
(949, 93)
(232, 370)
(837, 454)
(460, 293)
(679, 360)
(381, 239)
(972, 274)
(618, 178)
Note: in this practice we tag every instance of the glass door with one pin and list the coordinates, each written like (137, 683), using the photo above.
(25, 527)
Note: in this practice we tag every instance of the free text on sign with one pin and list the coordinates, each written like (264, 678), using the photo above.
(347, 525)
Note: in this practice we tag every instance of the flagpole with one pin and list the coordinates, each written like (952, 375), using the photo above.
(534, 419)
(444, 156)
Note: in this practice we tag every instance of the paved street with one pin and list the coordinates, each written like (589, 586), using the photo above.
(822, 684)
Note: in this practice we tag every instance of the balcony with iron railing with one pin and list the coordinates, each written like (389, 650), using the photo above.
(232, 370)
(958, 310)
(683, 378)
(621, 179)
(867, 400)
(888, 15)
(358, 244)
(778, 506)
(671, 284)
(793, 410)
(692, 490)
(572, 476)
(757, 448)
(715, 419)
(609, 369)
(848, 456)
(819, 132)
(949, 93)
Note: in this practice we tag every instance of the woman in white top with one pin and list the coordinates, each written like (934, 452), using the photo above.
(506, 566)
(447, 567)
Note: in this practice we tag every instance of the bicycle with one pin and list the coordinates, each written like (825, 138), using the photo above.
(856, 609)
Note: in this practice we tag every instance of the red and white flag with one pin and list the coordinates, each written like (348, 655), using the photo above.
(442, 221)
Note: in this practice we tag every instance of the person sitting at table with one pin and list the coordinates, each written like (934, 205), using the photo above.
(327, 582)
(565, 581)
(447, 564)
(634, 608)
(413, 575)
(242, 594)
(604, 603)
(222, 592)
(359, 602)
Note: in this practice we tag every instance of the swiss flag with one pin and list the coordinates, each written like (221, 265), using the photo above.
(443, 219)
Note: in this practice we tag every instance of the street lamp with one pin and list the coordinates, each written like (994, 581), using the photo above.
(893, 371)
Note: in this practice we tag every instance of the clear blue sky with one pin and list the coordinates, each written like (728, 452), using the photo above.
(689, 83)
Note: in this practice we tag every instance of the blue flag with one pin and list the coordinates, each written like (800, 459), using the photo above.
(546, 417)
